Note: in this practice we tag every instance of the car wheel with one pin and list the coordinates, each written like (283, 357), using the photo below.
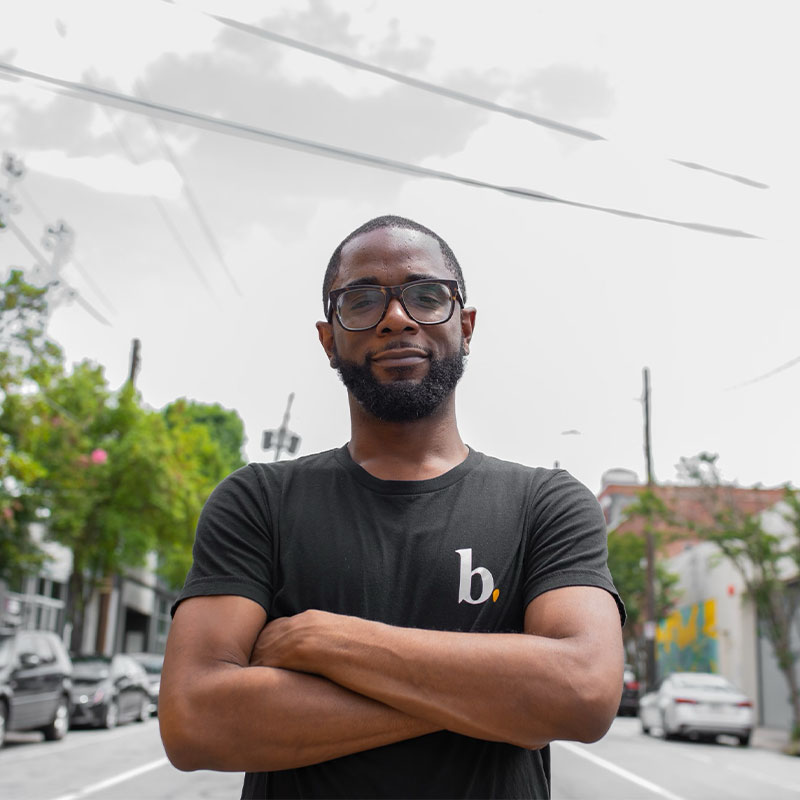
(58, 728)
(744, 739)
(111, 717)
(144, 709)
(3, 721)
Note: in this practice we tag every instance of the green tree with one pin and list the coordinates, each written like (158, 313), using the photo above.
(113, 479)
(27, 356)
(764, 560)
(207, 446)
(105, 477)
(626, 560)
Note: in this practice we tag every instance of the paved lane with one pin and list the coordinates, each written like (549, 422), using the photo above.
(627, 765)
(129, 764)
(124, 764)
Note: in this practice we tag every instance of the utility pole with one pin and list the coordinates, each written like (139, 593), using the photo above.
(281, 439)
(106, 587)
(136, 361)
(650, 599)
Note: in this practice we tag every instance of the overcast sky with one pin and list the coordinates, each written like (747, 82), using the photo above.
(572, 302)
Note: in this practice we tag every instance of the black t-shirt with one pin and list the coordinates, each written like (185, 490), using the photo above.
(465, 551)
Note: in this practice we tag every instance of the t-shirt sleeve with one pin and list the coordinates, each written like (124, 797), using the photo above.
(232, 551)
(567, 543)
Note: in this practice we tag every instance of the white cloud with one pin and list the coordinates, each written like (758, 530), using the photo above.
(109, 173)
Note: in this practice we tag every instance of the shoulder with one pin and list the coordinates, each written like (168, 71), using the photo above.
(269, 474)
(538, 479)
(548, 492)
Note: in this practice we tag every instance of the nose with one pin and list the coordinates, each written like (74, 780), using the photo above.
(395, 319)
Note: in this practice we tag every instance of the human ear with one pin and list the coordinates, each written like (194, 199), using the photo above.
(325, 333)
(467, 326)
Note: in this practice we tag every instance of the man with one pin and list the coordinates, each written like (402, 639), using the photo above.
(403, 616)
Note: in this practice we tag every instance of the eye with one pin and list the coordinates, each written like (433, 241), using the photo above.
(360, 300)
(431, 295)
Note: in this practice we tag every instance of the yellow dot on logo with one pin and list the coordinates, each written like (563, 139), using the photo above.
(495, 595)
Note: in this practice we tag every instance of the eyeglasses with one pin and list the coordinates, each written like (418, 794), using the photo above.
(359, 308)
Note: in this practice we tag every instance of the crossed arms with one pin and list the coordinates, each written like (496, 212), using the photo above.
(241, 695)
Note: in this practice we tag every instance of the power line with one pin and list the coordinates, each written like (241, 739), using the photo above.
(398, 77)
(150, 108)
(161, 208)
(191, 199)
(766, 375)
(451, 94)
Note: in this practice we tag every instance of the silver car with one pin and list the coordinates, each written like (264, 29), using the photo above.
(698, 705)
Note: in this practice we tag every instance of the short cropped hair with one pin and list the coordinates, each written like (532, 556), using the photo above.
(389, 221)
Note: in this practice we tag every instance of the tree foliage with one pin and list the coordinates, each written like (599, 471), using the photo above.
(27, 356)
(627, 552)
(764, 559)
(207, 446)
(114, 479)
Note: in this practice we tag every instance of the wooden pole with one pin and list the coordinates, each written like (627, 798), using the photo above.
(650, 599)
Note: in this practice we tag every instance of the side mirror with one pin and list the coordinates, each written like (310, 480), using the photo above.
(29, 660)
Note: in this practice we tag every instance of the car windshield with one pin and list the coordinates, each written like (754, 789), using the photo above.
(90, 668)
(702, 681)
(6, 649)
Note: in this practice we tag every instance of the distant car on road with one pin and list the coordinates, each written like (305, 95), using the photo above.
(35, 685)
(152, 663)
(698, 705)
(629, 702)
(108, 690)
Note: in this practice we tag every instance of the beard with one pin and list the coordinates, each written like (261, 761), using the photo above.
(402, 400)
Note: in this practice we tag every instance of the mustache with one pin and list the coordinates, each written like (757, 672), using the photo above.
(400, 346)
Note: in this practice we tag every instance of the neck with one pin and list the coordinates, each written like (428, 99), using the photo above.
(405, 451)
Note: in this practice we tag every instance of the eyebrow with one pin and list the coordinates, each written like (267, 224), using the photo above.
(371, 280)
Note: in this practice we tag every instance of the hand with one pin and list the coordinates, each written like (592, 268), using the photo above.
(293, 642)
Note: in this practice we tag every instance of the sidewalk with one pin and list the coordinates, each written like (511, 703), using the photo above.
(770, 739)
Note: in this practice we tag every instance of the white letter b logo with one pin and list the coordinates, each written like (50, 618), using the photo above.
(465, 579)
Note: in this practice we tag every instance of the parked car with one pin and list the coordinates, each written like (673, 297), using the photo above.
(629, 702)
(35, 685)
(152, 663)
(108, 690)
(697, 705)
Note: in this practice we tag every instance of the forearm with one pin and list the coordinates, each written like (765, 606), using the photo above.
(504, 687)
(513, 688)
(255, 719)
(523, 688)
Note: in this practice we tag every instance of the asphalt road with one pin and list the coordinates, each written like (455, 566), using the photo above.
(627, 765)
(129, 764)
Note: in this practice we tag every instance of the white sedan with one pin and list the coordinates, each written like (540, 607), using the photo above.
(698, 705)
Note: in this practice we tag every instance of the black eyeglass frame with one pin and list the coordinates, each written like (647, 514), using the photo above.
(394, 291)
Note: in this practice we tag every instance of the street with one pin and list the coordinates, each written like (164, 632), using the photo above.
(627, 765)
(129, 764)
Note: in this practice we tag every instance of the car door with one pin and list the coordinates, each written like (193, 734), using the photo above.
(29, 684)
(50, 680)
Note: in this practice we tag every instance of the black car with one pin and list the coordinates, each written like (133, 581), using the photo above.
(629, 703)
(35, 685)
(152, 663)
(108, 690)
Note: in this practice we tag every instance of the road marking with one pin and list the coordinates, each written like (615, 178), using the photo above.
(123, 776)
(623, 773)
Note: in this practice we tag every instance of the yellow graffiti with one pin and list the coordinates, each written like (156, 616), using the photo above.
(687, 638)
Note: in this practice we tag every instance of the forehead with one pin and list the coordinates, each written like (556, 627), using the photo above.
(390, 256)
